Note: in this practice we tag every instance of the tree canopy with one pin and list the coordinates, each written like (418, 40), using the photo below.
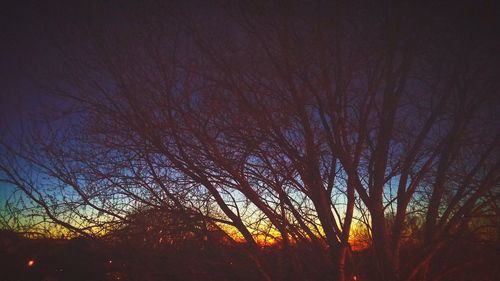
(270, 122)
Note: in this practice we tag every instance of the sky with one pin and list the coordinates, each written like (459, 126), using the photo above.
(20, 47)
(26, 30)
(22, 50)
(28, 56)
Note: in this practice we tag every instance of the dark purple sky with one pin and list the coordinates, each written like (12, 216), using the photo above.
(27, 29)
(23, 45)
(26, 52)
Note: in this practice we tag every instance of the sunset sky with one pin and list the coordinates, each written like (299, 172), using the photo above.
(315, 127)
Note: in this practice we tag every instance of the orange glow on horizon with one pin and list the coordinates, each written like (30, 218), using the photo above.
(31, 263)
(264, 238)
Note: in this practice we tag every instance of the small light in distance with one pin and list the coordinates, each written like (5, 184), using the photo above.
(31, 262)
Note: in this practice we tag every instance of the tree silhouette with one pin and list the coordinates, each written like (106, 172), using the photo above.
(274, 126)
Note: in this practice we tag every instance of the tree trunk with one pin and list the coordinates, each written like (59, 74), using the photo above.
(383, 257)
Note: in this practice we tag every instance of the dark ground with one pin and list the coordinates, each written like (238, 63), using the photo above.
(91, 260)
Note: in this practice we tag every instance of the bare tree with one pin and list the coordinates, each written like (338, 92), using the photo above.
(282, 125)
